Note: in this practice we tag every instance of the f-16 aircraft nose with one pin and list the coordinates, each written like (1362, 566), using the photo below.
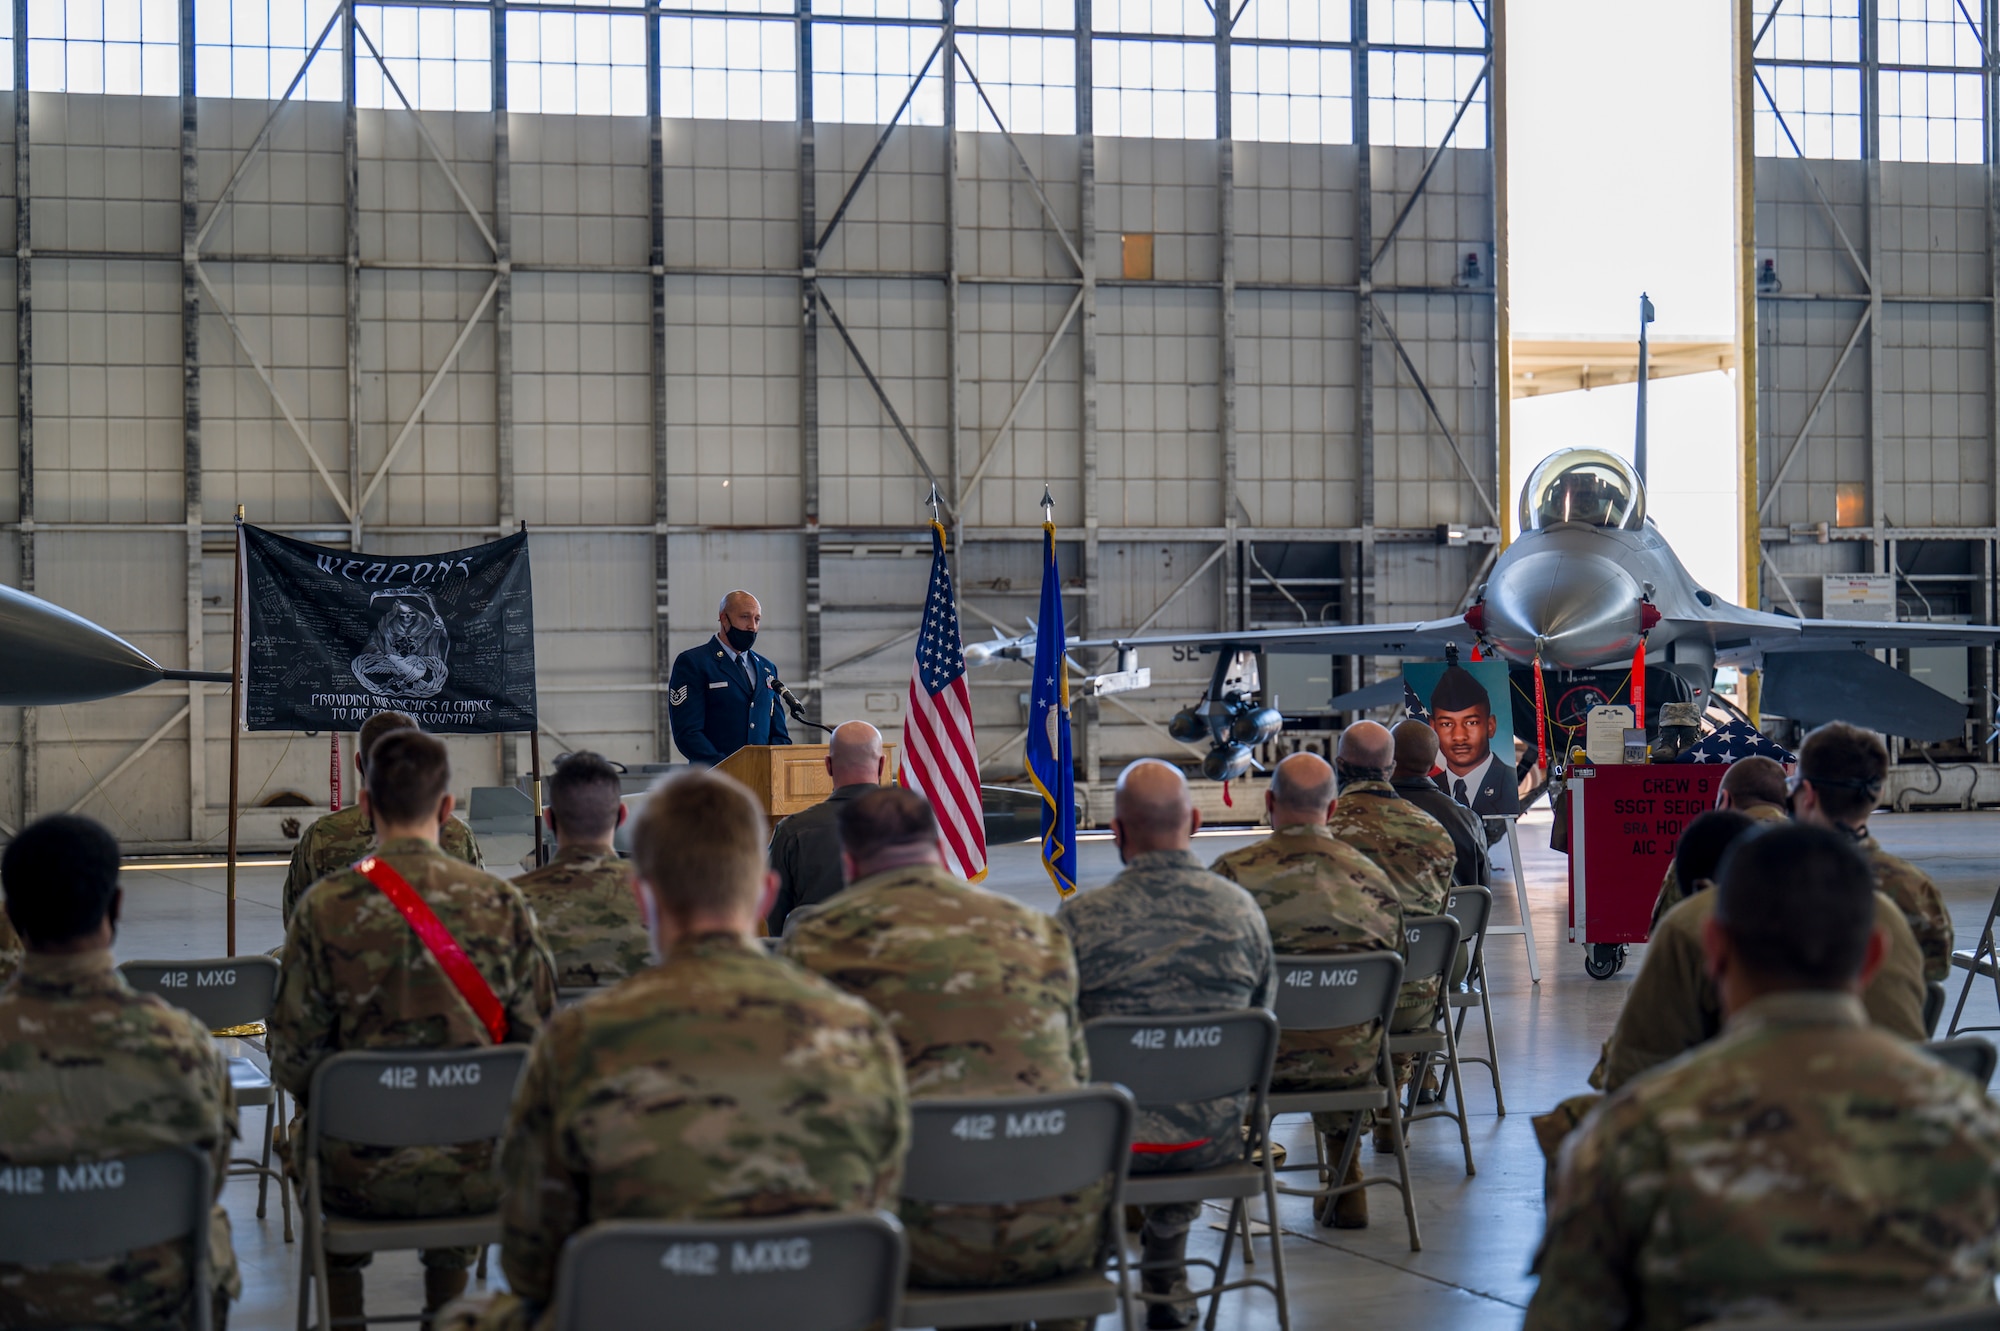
(1574, 610)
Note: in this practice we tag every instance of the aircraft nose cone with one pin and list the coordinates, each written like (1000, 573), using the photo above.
(54, 657)
(1575, 610)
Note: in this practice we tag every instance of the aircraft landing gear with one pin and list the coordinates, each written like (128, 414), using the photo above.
(1604, 960)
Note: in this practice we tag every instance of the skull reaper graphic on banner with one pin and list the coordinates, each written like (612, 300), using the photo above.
(333, 636)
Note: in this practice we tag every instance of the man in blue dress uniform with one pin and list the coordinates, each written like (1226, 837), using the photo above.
(721, 695)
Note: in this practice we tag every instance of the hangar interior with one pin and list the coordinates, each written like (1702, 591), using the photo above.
(708, 296)
(1876, 230)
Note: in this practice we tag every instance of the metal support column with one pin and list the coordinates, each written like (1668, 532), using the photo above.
(953, 368)
(1871, 153)
(24, 376)
(656, 260)
(190, 194)
(1089, 755)
(1361, 608)
(809, 357)
(1235, 607)
(351, 201)
(1503, 314)
(1749, 577)
(506, 510)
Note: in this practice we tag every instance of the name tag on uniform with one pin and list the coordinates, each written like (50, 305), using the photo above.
(720, 684)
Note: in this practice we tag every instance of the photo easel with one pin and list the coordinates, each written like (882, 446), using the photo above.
(1526, 928)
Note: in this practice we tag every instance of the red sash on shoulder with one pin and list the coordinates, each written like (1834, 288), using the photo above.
(444, 949)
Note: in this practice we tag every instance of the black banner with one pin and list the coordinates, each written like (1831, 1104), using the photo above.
(335, 636)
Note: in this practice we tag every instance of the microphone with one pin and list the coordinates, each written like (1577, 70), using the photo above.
(795, 708)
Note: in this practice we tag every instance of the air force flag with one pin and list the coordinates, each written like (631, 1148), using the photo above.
(1049, 765)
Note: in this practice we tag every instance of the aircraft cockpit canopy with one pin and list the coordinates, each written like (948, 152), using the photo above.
(1586, 485)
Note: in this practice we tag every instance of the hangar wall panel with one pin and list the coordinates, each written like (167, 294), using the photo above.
(555, 406)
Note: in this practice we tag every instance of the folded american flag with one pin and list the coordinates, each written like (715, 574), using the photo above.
(1734, 739)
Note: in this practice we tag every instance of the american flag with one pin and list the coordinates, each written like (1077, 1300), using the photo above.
(940, 760)
(1733, 740)
(1414, 705)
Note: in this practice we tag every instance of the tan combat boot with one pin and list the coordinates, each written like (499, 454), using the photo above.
(1349, 1210)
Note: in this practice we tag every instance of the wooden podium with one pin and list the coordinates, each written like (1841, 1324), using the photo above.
(786, 778)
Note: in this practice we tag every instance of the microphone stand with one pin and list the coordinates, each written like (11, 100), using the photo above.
(797, 710)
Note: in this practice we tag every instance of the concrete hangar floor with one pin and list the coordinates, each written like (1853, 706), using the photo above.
(1479, 1233)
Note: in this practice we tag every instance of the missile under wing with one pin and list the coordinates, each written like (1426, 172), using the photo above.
(50, 656)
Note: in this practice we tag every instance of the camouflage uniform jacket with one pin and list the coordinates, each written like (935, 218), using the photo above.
(1673, 1005)
(724, 1083)
(1801, 1164)
(1418, 855)
(589, 917)
(980, 992)
(1920, 901)
(1319, 895)
(11, 950)
(1466, 828)
(357, 977)
(1166, 936)
(90, 1068)
(1671, 892)
(339, 839)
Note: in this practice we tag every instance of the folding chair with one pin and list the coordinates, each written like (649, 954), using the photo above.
(1000, 1150)
(1984, 960)
(232, 996)
(1433, 943)
(1325, 993)
(1472, 907)
(399, 1097)
(85, 1209)
(803, 1273)
(1184, 1060)
(1934, 997)
(1975, 1057)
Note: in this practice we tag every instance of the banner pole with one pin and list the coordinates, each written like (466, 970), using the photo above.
(235, 722)
(535, 761)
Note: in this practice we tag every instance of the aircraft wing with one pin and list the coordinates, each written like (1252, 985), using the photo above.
(1744, 642)
(1425, 638)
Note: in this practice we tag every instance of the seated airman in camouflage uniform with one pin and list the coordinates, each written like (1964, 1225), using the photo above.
(90, 1069)
(337, 840)
(1319, 895)
(1675, 1005)
(584, 898)
(1803, 1164)
(356, 976)
(1405, 843)
(1753, 787)
(1841, 771)
(722, 1083)
(1165, 937)
(980, 992)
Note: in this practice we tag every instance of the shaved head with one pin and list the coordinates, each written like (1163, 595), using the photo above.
(1152, 810)
(1416, 748)
(1754, 780)
(1301, 791)
(1367, 752)
(854, 754)
(737, 601)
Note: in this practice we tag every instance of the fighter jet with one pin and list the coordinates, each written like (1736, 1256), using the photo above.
(1588, 580)
(49, 657)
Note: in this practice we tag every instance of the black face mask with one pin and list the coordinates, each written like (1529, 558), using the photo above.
(741, 639)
